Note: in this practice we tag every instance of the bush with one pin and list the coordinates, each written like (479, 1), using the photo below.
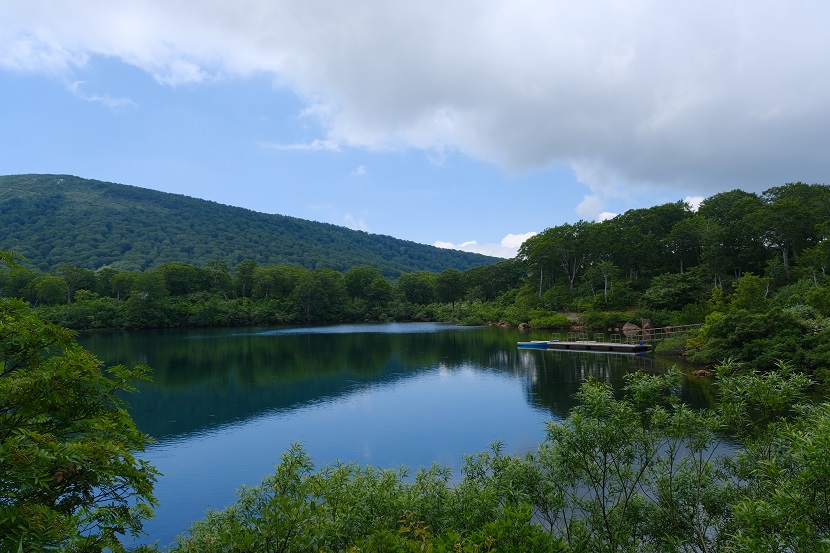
(643, 472)
(542, 319)
(70, 479)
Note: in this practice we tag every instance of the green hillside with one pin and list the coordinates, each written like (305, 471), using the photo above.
(52, 219)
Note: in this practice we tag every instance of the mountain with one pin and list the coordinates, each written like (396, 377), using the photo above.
(52, 219)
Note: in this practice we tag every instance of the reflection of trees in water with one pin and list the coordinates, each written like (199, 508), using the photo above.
(207, 377)
(555, 376)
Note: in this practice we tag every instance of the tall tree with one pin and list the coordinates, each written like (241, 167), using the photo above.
(358, 281)
(732, 241)
(244, 273)
(792, 217)
(320, 296)
(417, 287)
(70, 478)
(220, 277)
(76, 278)
(181, 279)
(684, 243)
(449, 286)
(49, 289)
(563, 249)
(276, 282)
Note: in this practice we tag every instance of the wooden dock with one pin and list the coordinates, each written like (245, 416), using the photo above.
(599, 347)
(636, 341)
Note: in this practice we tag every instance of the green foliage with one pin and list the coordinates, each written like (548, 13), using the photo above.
(659, 263)
(320, 296)
(750, 294)
(449, 286)
(53, 219)
(417, 288)
(70, 479)
(674, 291)
(49, 290)
(543, 319)
(345, 507)
(643, 472)
(604, 320)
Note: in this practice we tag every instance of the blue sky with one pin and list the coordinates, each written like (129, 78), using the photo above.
(467, 124)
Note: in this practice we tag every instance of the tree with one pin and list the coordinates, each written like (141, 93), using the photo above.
(146, 306)
(490, 281)
(676, 290)
(563, 248)
(70, 478)
(181, 279)
(750, 294)
(122, 283)
(731, 239)
(49, 289)
(276, 282)
(816, 260)
(449, 286)
(418, 288)
(219, 277)
(244, 273)
(358, 281)
(791, 217)
(381, 292)
(103, 277)
(76, 279)
(320, 295)
(685, 241)
(606, 271)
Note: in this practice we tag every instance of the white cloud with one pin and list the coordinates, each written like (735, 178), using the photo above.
(359, 172)
(701, 96)
(356, 223)
(514, 241)
(590, 207)
(507, 248)
(315, 145)
(113, 104)
(694, 201)
(605, 215)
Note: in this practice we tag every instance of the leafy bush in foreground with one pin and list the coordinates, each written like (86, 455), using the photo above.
(70, 479)
(641, 473)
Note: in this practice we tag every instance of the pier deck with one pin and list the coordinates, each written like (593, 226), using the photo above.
(587, 346)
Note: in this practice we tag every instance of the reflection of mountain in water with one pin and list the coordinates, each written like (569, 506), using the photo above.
(208, 378)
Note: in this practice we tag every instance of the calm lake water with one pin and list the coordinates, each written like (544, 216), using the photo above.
(226, 403)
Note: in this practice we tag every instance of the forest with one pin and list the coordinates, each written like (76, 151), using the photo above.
(630, 470)
(752, 267)
(54, 219)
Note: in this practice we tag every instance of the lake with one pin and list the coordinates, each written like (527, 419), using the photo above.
(226, 403)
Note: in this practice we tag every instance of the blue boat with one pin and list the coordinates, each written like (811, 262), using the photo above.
(535, 344)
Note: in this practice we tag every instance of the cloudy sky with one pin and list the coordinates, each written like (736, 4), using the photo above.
(462, 123)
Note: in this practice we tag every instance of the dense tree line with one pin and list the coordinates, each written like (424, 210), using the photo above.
(751, 267)
(178, 294)
(640, 471)
(779, 235)
(54, 219)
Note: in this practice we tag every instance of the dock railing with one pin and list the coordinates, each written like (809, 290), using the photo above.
(631, 336)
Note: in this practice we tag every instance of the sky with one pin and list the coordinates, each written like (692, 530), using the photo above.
(469, 124)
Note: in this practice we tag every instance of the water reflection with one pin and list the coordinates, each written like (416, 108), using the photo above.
(207, 378)
(225, 403)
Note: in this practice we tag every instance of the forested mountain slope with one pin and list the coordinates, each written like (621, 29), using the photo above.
(53, 219)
